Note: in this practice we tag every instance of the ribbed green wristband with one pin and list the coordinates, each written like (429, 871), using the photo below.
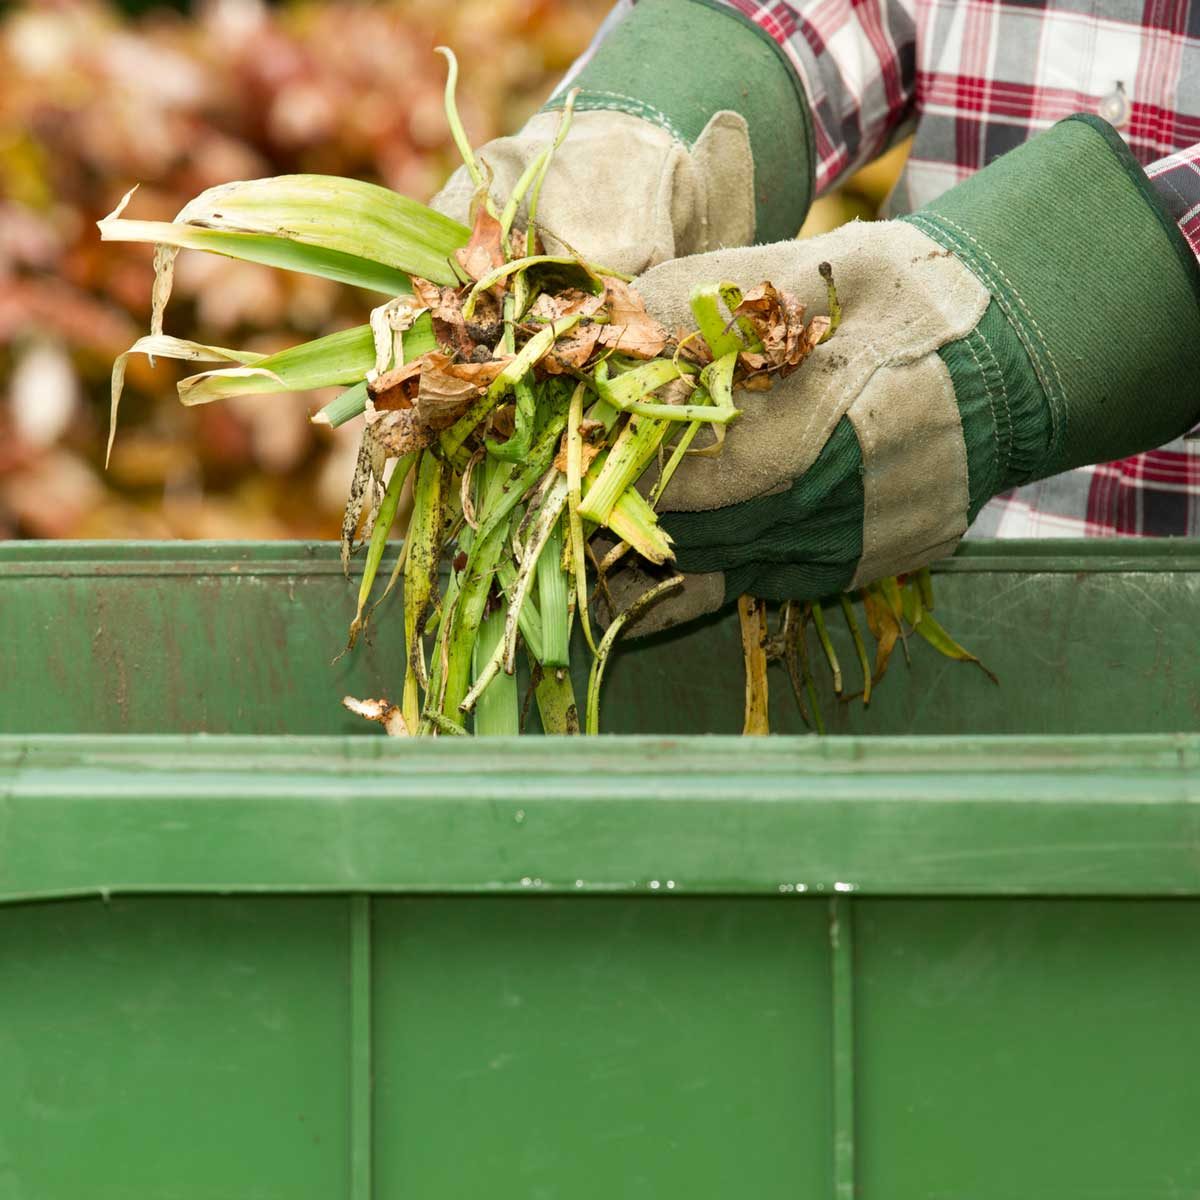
(678, 62)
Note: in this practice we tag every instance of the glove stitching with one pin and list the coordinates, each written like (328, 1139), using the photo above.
(632, 107)
(991, 395)
(1055, 392)
(987, 349)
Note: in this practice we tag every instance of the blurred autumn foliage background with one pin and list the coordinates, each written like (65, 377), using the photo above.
(95, 97)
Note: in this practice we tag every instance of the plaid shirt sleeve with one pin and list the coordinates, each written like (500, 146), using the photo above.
(857, 60)
(1177, 180)
(858, 63)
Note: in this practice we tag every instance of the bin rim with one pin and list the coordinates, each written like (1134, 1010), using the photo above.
(1054, 555)
(788, 816)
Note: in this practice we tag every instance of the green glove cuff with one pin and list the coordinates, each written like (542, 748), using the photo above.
(676, 63)
(1095, 281)
(806, 540)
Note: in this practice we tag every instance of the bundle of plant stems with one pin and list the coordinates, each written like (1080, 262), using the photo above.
(536, 411)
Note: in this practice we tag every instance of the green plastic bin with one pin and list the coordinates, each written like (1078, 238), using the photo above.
(950, 954)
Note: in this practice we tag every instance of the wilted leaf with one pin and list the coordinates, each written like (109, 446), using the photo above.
(933, 632)
(884, 627)
(777, 317)
(485, 250)
(447, 388)
(549, 306)
(676, 391)
(397, 388)
(445, 310)
(571, 352)
(631, 329)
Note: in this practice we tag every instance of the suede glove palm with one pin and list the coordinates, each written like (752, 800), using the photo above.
(1041, 316)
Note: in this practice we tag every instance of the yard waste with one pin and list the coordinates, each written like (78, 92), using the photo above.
(532, 413)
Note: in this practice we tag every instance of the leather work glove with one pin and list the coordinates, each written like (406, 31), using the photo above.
(664, 162)
(621, 191)
(1042, 315)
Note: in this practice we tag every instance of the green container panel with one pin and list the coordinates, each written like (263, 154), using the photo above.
(198, 1047)
(881, 967)
(241, 638)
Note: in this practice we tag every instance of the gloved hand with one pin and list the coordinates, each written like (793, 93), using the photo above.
(670, 152)
(622, 191)
(1043, 315)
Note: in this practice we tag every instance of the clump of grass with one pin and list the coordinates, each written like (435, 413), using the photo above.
(522, 396)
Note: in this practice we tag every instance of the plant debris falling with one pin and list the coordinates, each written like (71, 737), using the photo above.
(522, 396)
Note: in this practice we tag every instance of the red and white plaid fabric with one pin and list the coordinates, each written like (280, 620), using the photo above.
(972, 79)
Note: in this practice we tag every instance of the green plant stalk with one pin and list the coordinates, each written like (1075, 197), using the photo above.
(531, 620)
(712, 322)
(489, 280)
(810, 684)
(420, 575)
(925, 587)
(564, 124)
(498, 708)
(552, 602)
(818, 617)
(534, 175)
(505, 490)
(683, 412)
(574, 522)
(454, 651)
(556, 703)
(835, 308)
(732, 297)
(632, 385)
(457, 132)
(596, 676)
(859, 646)
(504, 654)
(525, 408)
(384, 520)
(678, 451)
(631, 453)
(634, 521)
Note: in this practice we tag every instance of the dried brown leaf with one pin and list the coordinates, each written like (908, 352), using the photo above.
(447, 388)
(570, 353)
(485, 249)
(550, 306)
(777, 317)
(396, 388)
(631, 329)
